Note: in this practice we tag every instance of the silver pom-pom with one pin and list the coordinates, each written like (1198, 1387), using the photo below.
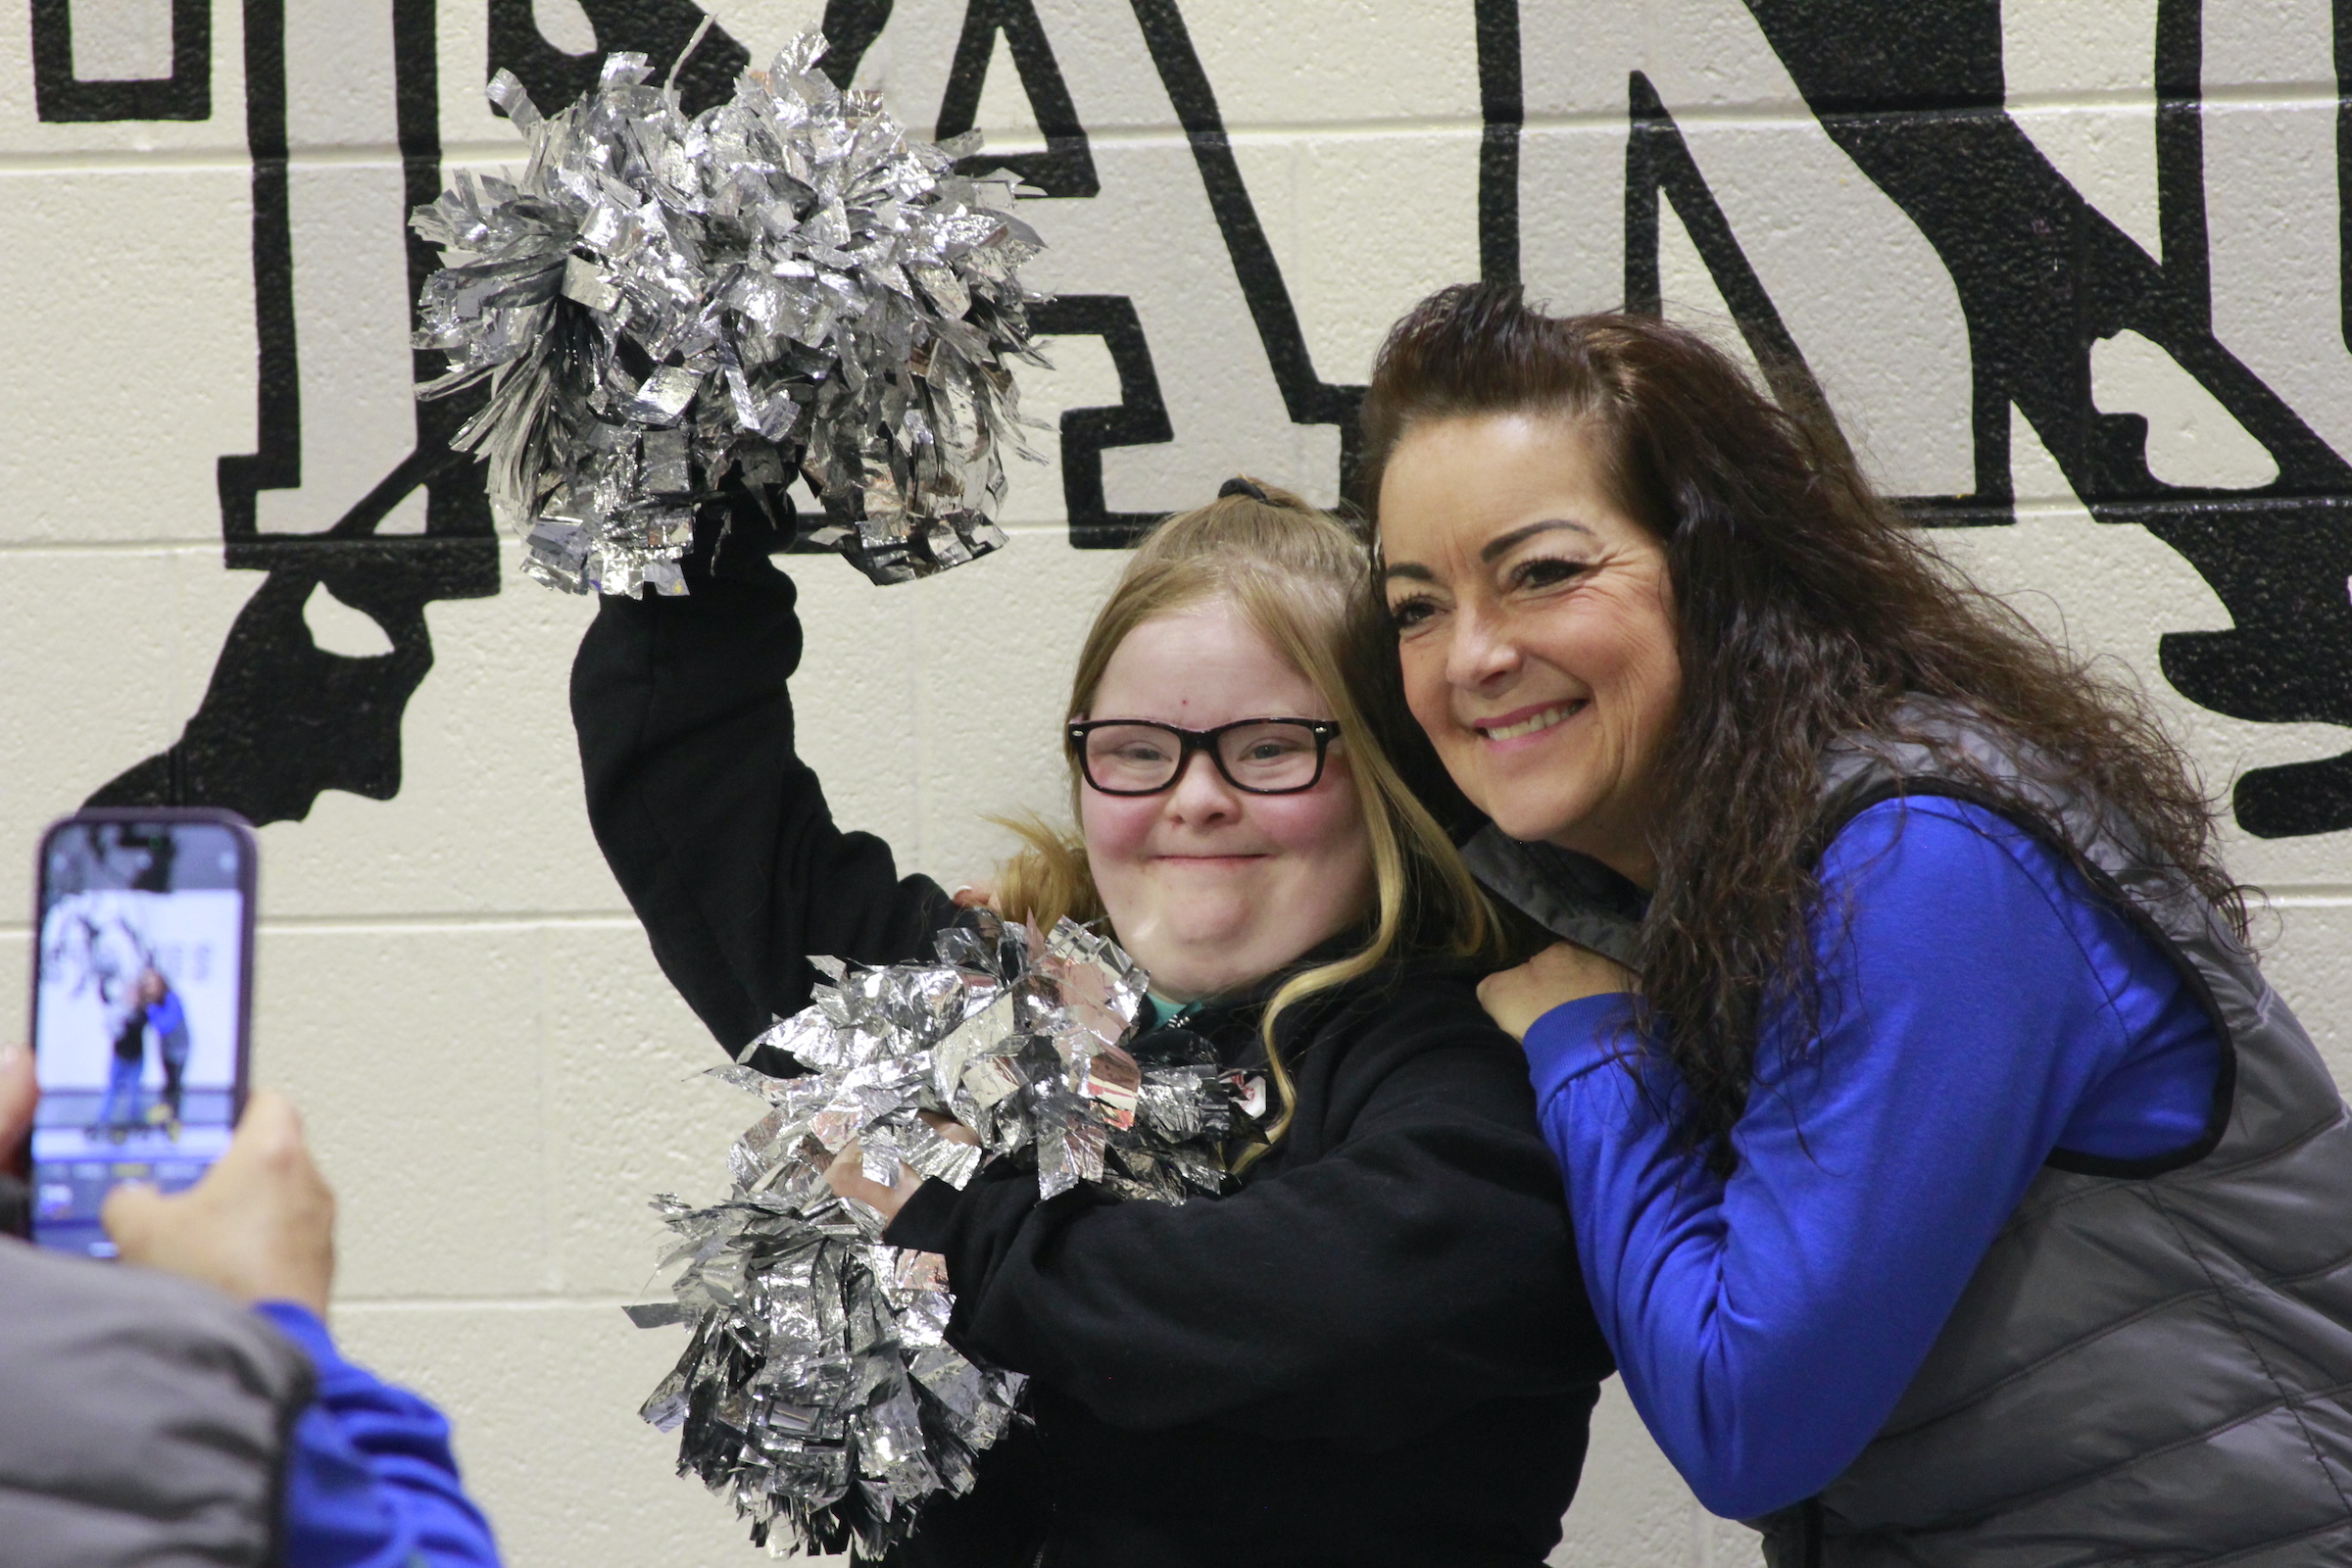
(785, 283)
(818, 1391)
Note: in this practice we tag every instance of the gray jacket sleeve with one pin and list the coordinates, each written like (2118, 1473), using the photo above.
(143, 1419)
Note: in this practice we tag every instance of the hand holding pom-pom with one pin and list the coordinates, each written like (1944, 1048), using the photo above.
(847, 1179)
(786, 283)
(818, 1390)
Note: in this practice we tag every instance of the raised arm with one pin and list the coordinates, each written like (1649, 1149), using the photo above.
(713, 826)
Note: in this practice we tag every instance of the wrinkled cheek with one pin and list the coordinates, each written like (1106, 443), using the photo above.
(1637, 714)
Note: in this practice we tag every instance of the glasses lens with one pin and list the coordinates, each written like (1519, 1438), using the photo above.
(1269, 757)
(1130, 756)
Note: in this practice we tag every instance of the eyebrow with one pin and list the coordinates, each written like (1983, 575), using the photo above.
(1499, 545)
(1503, 544)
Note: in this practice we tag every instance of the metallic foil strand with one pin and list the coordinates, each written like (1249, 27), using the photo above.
(785, 283)
(817, 1391)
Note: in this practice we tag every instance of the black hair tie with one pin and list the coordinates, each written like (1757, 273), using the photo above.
(1239, 486)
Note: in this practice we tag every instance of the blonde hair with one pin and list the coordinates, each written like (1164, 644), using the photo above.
(1302, 580)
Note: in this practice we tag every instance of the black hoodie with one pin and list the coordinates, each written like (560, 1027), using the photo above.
(1378, 1351)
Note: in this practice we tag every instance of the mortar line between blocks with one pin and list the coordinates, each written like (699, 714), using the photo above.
(210, 545)
(390, 1305)
(476, 152)
(437, 920)
(551, 1259)
(2280, 895)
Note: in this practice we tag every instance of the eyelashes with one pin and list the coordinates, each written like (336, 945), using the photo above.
(1548, 571)
(1406, 613)
(1535, 575)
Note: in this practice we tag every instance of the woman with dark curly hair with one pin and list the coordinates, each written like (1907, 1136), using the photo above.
(1950, 1185)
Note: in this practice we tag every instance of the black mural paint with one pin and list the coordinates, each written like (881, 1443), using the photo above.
(1658, 162)
(276, 464)
(1914, 96)
(2344, 167)
(1066, 167)
(1501, 107)
(1140, 419)
(1065, 171)
(282, 718)
(58, 95)
(850, 27)
(658, 29)
(1305, 397)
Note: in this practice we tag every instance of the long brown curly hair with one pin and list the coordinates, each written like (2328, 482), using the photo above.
(1807, 609)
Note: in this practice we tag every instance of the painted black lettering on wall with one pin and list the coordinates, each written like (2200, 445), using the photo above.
(1066, 167)
(282, 718)
(1658, 165)
(658, 29)
(185, 92)
(1913, 95)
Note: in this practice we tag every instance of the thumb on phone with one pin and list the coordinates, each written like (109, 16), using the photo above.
(260, 1225)
(19, 1092)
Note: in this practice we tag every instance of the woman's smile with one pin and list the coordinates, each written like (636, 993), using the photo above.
(1523, 723)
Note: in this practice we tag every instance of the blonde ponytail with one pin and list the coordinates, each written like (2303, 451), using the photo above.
(1047, 879)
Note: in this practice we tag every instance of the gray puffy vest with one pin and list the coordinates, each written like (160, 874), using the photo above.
(143, 1419)
(2153, 1363)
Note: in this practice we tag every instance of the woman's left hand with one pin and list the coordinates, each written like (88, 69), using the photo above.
(1561, 973)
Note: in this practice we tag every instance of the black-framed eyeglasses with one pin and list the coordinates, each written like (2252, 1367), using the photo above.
(1258, 755)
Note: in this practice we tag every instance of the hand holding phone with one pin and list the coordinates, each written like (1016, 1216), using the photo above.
(142, 976)
(18, 1092)
(260, 1226)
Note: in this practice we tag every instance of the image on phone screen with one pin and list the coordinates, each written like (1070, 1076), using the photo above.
(138, 1013)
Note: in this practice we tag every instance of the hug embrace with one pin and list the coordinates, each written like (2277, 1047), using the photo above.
(1679, 929)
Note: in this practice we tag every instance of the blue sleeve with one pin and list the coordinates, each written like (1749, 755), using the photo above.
(371, 1482)
(1767, 1324)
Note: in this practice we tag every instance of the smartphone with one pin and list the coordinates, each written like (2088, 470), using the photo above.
(142, 997)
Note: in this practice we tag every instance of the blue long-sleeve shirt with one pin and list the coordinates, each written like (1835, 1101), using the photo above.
(166, 1015)
(1982, 1009)
(371, 1482)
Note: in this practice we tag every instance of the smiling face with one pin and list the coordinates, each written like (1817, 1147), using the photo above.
(1536, 626)
(1210, 887)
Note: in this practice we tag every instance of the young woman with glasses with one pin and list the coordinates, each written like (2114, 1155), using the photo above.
(1376, 1348)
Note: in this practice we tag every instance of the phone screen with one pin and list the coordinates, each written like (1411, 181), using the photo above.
(140, 1010)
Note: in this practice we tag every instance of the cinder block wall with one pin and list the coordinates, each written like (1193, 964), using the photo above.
(2069, 269)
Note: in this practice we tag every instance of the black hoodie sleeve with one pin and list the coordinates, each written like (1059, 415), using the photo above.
(715, 829)
(1420, 1266)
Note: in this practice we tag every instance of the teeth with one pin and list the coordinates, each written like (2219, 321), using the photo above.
(1528, 727)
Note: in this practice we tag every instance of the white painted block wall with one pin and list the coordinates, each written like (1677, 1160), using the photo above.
(495, 1075)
